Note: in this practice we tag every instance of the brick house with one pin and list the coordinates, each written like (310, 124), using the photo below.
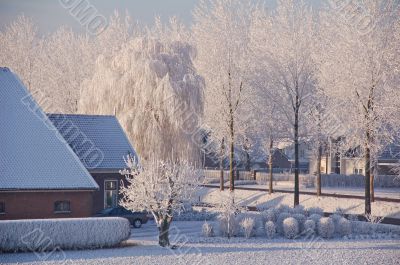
(40, 175)
(101, 144)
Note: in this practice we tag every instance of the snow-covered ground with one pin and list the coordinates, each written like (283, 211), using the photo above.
(329, 204)
(288, 185)
(144, 250)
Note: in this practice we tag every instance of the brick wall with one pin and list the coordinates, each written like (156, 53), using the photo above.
(38, 205)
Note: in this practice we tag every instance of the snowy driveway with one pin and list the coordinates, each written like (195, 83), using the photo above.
(221, 251)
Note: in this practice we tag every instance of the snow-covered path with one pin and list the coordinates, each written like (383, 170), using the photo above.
(221, 251)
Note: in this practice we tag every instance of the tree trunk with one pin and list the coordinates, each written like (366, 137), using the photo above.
(319, 158)
(296, 154)
(270, 164)
(326, 159)
(231, 155)
(163, 237)
(248, 164)
(372, 184)
(221, 165)
(367, 178)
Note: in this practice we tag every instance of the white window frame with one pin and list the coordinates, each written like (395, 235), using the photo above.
(105, 192)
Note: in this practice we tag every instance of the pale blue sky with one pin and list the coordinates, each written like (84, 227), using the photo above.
(50, 15)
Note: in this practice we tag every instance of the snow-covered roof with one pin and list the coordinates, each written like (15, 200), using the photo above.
(98, 140)
(391, 152)
(33, 155)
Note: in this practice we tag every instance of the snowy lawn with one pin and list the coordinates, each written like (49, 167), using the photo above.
(262, 199)
(144, 250)
(288, 185)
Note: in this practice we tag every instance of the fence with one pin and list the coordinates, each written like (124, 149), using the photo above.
(330, 180)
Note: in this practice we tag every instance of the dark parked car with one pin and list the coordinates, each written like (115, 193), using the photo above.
(135, 218)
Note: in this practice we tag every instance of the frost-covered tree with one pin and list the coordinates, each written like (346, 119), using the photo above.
(284, 40)
(161, 188)
(358, 68)
(155, 92)
(68, 60)
(220, 33)
(20, 50)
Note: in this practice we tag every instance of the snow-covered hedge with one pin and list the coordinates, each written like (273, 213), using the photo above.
(279, 222)
(270, 229)
(309, 226)
(195, 215)
(208, 230)
(326, 227)
(344, 227)
(50, 234)
(290, 227)
(247, 224)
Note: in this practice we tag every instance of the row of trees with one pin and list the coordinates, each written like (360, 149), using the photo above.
(302, 74)
(241, 74)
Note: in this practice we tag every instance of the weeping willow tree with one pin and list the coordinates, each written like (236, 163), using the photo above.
(153, 89)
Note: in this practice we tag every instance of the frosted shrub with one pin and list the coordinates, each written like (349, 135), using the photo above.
(270, 229)
(336, 218)
(315, 217)
(352, 217)
(76, 233)
(283, 208)
(299, 209)
(227, 225)
(309, 226)
(279, 222)
(228, 209)
(300, 219)
(326, 227)
(340, 211)
(315, 210)
(290, 227)
(344, 226)
(269, 215)
(247, 225)
(208, 230)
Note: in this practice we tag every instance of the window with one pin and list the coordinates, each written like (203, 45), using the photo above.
(2, 208)
(62, 207)
(358, 171)
(110, 194)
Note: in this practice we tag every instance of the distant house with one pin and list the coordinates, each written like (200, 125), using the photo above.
(101, 145)
(287, 148)
(40, 175)
(352, 163)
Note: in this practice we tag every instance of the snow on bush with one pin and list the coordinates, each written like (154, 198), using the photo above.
(283, 208)
(247, 225)
(269, 215)
(208, 230)
(344, 227)
(50, 234)
(336, 218)
(228, 209)
(270, 229)
(299, 209)
(290, 227)
(309, 226)
(227, 225)
(315, 217)
(340, 211)
(279, 221)
(301, 219)
(315, 210)
(195, 215)
(326, 227)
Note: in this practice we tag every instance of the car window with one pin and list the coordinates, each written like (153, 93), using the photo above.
(125, 211)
